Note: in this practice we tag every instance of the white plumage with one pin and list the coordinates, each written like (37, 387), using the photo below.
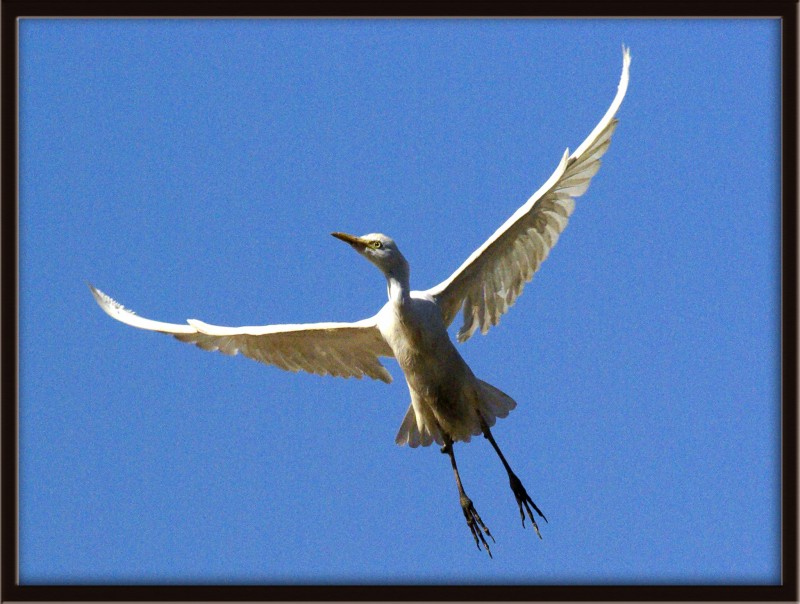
(448, 403)
(339, 349)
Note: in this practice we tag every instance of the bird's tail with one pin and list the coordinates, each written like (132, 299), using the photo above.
(494, 403)
(410, 434)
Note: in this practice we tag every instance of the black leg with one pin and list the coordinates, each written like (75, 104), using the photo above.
(516, 486)
(474, 521)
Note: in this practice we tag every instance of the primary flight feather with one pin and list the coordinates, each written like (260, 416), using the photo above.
(448, 403)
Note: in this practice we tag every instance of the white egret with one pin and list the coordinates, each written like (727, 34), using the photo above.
(448, 403)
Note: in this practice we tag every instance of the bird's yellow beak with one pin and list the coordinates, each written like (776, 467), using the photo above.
(356, 242)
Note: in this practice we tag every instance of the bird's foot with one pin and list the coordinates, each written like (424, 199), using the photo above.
(523, 499)
(475, 524)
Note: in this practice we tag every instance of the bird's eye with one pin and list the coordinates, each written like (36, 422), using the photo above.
(376, 245)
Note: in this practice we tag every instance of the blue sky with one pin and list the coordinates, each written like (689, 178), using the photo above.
(194, 169)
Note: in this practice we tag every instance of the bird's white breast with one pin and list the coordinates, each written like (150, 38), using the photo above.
(439, 380)
(416, 332)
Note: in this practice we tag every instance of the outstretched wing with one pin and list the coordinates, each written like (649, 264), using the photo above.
(339, 349)
(492, 278)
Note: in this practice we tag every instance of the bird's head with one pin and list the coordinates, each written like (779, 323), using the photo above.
(377, 248)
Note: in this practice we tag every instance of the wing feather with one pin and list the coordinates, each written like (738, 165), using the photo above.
(339, 349)
(492, 278)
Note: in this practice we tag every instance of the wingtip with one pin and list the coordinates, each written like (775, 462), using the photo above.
(110, 306)
(98, 295)
(626, 55)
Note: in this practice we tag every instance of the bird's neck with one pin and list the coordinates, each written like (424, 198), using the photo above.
(397, 284)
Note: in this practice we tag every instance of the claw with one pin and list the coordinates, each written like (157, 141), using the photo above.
(473, 521)
(523, 498)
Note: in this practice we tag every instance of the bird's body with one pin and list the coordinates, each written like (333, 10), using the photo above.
(448, 403)
(438, 378)
(446, 397)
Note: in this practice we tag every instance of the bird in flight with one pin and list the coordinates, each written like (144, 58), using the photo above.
(448, 402)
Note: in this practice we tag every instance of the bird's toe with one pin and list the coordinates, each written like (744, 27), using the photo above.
(476, 525)
(525, 503)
